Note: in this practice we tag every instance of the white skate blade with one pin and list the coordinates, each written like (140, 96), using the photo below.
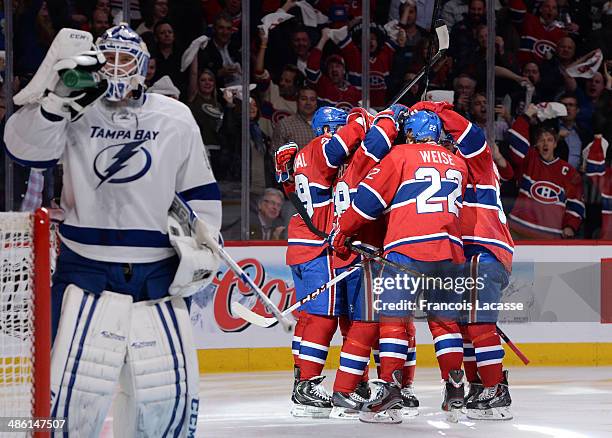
(390, 416)
(497, 414)
(304, 411)
(410, 412)
(344, 413)
(452, 416)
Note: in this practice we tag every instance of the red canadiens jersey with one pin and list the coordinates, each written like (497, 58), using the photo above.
(380, 68)
(419, 190)
(375, 147)
(483, 221)
(315, 168)
(537, 40)
(328, 93)
(550, 193)
(601, 175)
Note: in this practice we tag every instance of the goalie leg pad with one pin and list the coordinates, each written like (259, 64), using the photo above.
(160, 380)
(87, 356)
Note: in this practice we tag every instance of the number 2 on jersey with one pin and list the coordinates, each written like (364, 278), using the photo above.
(426, 201)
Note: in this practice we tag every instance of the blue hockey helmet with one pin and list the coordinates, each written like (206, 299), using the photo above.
(423, 126)
(330, 117)
(127, 59)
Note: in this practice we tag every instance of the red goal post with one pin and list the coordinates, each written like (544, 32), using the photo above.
(26, 252)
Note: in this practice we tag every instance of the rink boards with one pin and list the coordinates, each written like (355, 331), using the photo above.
(566, 321)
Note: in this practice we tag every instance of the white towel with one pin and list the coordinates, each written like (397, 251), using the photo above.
(238, 90)
(392, 28)
(199, 43)
(165, 86)
(310, 16)
(550, 110)
(586, 68)
(272, 20)
(337, 35)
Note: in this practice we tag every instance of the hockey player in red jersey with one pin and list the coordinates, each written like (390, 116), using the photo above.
(488, 249)
(418, 187)
(549, 204)
(363, 332)
(314, 169)
(601, 175)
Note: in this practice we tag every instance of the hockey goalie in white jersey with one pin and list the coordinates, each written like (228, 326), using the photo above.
(120, 312)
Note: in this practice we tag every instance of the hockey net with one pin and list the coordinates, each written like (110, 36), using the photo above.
(25, 314)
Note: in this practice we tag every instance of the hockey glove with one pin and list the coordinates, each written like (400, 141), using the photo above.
(396, 112)
(339, 242)
(71, 104)
(283, 161)
(361, 116)
(74, 105)
(435, 107)
(198, 264)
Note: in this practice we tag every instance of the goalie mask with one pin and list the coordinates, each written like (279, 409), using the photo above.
(127, 58)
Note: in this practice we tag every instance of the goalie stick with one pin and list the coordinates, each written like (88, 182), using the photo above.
(297, 203)
(185, 216)
(443, 42)
(262, 321)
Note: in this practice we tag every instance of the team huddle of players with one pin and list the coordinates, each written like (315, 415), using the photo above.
(420, 183)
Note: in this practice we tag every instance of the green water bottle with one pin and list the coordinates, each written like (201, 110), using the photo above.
(77, 79)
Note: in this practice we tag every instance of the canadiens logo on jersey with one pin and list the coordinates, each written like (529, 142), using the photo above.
(546, 192)
(544, 48)
(122, 163)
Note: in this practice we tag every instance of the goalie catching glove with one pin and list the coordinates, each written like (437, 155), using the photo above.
(71, 49)
(198, 264)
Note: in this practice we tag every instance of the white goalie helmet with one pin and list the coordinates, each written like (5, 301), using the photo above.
(127, 58)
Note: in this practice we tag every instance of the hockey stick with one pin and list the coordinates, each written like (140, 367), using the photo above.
(262, 321)
(434, 16)
(512, 346)
(443, 42)
(361, 249)
(297, 203)
(187, 217)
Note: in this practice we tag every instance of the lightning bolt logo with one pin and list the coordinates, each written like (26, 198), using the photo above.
(120, 159)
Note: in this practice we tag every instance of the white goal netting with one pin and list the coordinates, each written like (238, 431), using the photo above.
(17, 313)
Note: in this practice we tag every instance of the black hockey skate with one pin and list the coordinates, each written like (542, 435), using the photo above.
(453, 395)
(311, 399)
(296, 380)
(386, 404)
(346, 406)
(492, 403)
(474, 391)
(363, 390)
(409, 401)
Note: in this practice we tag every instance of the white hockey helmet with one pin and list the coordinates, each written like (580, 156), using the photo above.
(127, 58)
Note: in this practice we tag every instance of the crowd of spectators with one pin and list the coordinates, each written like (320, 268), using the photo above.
(546, 52)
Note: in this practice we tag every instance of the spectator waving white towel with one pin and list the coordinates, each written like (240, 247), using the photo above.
(550, 110)
(272, 20)
(199, 43)
(587, 66)
(310, 16)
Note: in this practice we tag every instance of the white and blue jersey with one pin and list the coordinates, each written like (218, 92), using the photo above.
(122, 167)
